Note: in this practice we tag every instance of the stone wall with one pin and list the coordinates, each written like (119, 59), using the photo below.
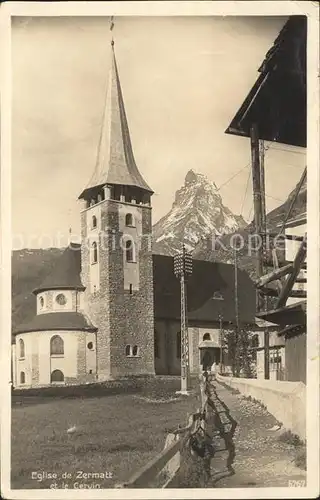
(122, 315)
(286, 401)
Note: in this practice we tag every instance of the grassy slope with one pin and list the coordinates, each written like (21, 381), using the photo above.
(29, 268)
(117, 433)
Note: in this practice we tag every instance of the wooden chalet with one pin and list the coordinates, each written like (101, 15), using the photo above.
(275, 110)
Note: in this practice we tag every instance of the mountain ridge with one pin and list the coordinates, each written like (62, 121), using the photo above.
(31, 266)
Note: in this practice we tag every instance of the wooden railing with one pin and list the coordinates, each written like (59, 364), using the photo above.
(161, 470)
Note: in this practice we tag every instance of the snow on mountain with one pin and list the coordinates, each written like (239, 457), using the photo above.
(197, 212)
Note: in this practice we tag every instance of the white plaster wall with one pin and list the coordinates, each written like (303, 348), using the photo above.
(68, 306)
(260, 364)
(14, 365)
(24, 364)
(73, 297)
(93, 236)
(292, 246)
(66, 363)
(39, 343)
(91, 354)
(285, 400)
(131, 269)
(95, 210)
(94, 269)
(45, 308)
(214, 335)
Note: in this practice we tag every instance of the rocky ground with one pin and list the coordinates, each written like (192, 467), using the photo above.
(259, 453)
(246, 447)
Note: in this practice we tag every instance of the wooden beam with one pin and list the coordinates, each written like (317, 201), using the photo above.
(287, 315)
(298, 261)
(293, 237)
(294, 198)
(301, 280)
(273, 275)
(272, 292)
(275, 267)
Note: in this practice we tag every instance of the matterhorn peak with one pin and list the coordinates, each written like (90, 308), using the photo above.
(193, 177)
(197, 213)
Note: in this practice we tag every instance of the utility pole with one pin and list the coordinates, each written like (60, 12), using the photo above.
(182, 268)
(264, 257)
(259, 219)
(236, 303)
(221, 344)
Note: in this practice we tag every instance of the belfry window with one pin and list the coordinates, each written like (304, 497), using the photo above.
(128, 350)
(129, 220)
(94, 251)
(130, 254)
(206, 336)
(56, 346)
(94, 222)
(21, 348)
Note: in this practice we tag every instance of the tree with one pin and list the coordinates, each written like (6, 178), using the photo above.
(238, 347)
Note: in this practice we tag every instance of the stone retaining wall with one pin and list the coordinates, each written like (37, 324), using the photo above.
(286, 401)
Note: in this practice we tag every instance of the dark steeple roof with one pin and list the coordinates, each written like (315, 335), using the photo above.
(115, 162)
(66, 273)
(277, 101)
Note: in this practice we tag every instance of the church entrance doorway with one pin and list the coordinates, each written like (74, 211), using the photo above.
(209, 356)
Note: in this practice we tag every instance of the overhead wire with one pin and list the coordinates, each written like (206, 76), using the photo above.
(233, 176)
(245, 194)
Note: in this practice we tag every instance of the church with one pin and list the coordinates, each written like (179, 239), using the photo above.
(111, 308)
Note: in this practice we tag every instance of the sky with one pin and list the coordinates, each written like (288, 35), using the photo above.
(183, 79)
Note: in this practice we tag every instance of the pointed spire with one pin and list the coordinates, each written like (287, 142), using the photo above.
(115, 160)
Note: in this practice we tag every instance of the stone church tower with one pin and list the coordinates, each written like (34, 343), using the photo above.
(116, 252)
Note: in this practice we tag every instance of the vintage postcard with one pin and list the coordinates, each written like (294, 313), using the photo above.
(157, 336)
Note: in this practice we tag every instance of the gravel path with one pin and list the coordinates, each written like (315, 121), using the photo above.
(251, 454)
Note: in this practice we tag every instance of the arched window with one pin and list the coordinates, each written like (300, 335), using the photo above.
(135, 350)
(130, 254)
(178, 346)
(94, 248)
(128, 350)
(22, 378)
(56, 346)
(156, 345)
(129, 220)
(57, 376)
(94, 222)
(41, 302)
(206, 336)
(21, 348)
